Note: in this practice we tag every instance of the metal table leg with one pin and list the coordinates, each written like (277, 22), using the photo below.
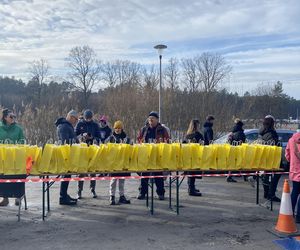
(152, 185)
(170, 192)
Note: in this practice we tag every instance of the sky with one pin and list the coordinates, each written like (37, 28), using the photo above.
(260, 39)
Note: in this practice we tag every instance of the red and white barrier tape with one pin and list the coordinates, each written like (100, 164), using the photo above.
(60, 179)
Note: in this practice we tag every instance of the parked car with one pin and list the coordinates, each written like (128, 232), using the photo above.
(252, 135)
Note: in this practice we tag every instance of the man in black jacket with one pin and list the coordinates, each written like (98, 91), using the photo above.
(88, 131)
(207, 130)
(66, 134)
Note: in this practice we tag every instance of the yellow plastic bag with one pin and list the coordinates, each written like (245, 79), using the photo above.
(197, 154)
(9, 160)
(74, 158)
(126, 156)
(142, 157)
(277, 157)
(166, 159)
(239, 154)
(35, 153)
(221, 153)
(231, 157)
(209, 158)
(178, 159)
(83, 159)
(62, 158)
(100, 163)
(20, 160)
(46, 158)
(186, 156)
(249, 156)
(257, 158)
(1, 159)
(154, 153)
(111, 157)
(93, 152)
(133, 160)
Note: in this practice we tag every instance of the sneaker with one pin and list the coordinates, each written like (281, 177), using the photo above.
(17, 201)
(79, 194)
(123, 200)
(141, 197)
(161, 197)
(112, 200)
(94, 193)
(230, 179)
(4, 202)
(67, 201)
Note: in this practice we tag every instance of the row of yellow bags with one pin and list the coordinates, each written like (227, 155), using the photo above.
(19, 159)
(79, 158)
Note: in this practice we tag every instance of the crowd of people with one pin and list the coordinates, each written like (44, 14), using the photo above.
(75, 128)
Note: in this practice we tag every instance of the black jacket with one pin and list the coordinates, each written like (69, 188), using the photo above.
(195, 137)
(208, 133)
(91, 128)
(269, 136)
(65, 131)
(105, 132)
(118, 138)
(237, 134)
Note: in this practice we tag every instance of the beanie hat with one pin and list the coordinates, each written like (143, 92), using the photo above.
(154, 113)
(118, 124)
(88, 114)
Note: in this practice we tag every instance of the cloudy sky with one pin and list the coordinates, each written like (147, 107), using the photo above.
(260, 39)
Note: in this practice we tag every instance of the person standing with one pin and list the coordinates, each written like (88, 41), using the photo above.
(207, 130)
(12, 133)
(236, 137)
(269, 136)
(193, 135)
(118, 136)
(156, 133)
(87, 131)
(292, 154)
(66, 134)
(105, 130)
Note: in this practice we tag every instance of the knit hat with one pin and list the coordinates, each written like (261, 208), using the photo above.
(88, 114)
(118, 124)
(103, 118)
(154, 113)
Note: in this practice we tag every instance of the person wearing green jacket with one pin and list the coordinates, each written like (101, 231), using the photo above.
(10, 132)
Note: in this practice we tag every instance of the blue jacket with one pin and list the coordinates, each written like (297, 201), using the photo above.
(92, 128)
(65, 131)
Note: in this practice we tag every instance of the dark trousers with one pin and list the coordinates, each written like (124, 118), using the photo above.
(270, 187)
(64, 187)
(92, 183)
(159, 182)
(294, 197)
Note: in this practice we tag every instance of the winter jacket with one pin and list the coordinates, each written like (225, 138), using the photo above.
(195, 137)
(92, 128)
(118, 138)
(290, 155)
(237, 134)
(159, 133)
(105, 132)
(269, 136)
(65, 131)
(208, 133)
(11, 133)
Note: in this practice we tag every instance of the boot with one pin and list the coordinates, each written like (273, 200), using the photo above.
(79, 194)
(94, 193)
(67, 201)
(230, 179)
(112, 200)
(17, 201)
(193, 192)
(141, 197)
(123, 200)
(4, 202)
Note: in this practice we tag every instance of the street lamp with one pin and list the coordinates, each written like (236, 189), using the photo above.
(160, 48)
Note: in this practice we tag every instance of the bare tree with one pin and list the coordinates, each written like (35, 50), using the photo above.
(38, 70)
(151, 78)
(109, 74)
(212, 69)
(191, 80)
(172, 73)
(85, 70)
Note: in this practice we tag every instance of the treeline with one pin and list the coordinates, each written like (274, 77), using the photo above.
(128, 91)
(131, 103)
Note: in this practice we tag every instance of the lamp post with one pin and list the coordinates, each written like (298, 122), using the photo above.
(160, 48)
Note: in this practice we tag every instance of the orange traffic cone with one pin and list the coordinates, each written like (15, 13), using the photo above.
(286, 223)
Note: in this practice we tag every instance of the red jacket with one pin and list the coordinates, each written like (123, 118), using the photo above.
(161, 134)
